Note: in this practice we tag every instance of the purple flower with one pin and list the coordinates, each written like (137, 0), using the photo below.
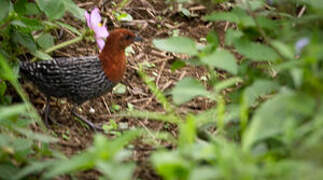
(300, 44)
(94, 22)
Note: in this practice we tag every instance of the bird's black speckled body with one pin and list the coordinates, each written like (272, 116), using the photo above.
(77, 79)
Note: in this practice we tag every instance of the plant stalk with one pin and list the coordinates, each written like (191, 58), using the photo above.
(61, 45)
(65, 43)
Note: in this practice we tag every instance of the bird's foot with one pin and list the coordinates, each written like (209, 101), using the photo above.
(89, 123)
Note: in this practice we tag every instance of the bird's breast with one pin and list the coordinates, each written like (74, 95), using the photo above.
(115, 68)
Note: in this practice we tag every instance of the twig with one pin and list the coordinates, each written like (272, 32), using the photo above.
(149, 132)
(105, 104)
(81, 5)
(226, 26)
(160, 73)
(139, 100)
(166, 85)
(182, 75)
(301, 12)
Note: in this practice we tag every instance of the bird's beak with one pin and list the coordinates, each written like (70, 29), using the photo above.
(138, 38)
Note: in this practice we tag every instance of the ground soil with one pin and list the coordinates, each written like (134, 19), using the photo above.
(151, 20)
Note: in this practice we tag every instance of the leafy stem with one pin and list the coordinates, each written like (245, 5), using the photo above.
(261, 30)
(63, 44)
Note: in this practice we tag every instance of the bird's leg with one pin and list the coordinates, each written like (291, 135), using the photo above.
(46, 111)
(89, 123)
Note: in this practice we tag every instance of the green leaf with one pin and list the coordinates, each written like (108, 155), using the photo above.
(8, 111)
(185, 11)
(170, 118)
(204, 173)
(69, 27)
(222, 59)
(227, 83)
(316, 4)
(5, 8)
(54, 9)
(267, 23)
(115, 171)
(103, 150)
(21, 144)
(23, 7)
(237, 15)
(186, 89)
(255, 51)
(231, 35)
(74, 9)
(257, 4)
(222, 16)
(18, 23)
(297, 75)
(20, 6)
(34, 167)
(257, 89)
(7, 170)
(245, 19)
(124, 17)
(32, 24)
(119, 89)
(187, 134)
(177, 45)
(36, 136)
(32, 9)
(284, 49)
(171, 165)
(6, 72)
(212, 38)
(177, 65)
(45, 41)
(25, 40)
(41, 55)
(83, 161)
(274, 115)
(3, 88)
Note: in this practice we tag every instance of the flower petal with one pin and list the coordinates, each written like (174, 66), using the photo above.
(87, 18)
(101, 32)
(95, 18)
(100, 43)
(300, 44)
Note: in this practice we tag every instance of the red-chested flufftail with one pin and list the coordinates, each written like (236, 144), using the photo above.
(83, 78)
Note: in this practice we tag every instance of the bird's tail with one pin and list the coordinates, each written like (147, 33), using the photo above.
(26, 68)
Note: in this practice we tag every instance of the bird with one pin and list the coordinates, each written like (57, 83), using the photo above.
(81, 78)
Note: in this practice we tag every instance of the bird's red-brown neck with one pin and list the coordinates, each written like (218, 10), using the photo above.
(114, 63)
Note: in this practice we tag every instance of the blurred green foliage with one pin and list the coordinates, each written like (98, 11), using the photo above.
(270, 126)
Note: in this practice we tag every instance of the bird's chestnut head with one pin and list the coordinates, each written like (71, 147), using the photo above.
(113, 56)
(121, 38)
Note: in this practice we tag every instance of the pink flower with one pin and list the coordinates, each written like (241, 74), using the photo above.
(94, 22)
